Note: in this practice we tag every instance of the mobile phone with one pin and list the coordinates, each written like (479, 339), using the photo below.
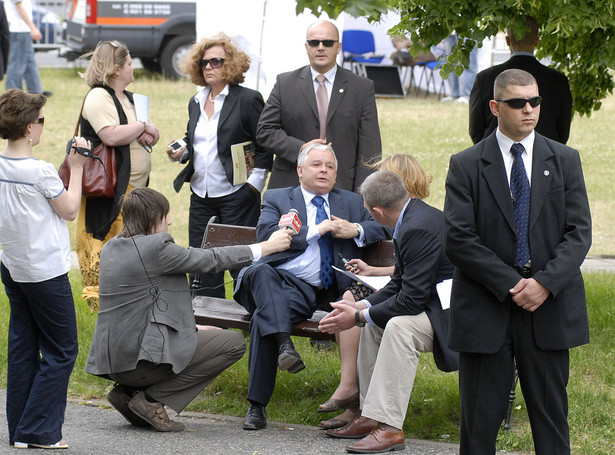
(176, 145)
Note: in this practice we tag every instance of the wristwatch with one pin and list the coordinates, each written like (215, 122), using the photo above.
(357, 319)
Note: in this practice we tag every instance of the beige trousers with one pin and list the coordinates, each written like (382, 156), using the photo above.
(387, 365)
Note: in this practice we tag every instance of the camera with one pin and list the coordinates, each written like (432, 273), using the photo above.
(176, 145)
(80, 150)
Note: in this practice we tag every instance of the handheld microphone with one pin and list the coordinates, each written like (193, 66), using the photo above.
(291, 221)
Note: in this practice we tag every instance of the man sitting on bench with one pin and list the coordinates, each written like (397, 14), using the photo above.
(400, 321)
(290, 286)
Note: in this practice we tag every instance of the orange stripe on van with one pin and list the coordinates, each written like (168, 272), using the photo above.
(130, 20)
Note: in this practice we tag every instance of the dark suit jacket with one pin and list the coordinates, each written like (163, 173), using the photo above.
(420, 264)
(555, 110)
(481, 240)
(343, 204)
(290, 118)
(238, 120)
(5, 41)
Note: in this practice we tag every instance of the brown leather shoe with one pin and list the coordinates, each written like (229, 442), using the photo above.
(379, 440)
(356, 429)
(153, 413)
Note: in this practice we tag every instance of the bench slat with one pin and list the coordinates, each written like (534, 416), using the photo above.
(230, 314)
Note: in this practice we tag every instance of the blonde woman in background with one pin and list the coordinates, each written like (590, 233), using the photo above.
(109, 116)
(346, 396)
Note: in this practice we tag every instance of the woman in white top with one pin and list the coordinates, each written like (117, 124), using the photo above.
(222, 114)
(109, 116)
(42, 345)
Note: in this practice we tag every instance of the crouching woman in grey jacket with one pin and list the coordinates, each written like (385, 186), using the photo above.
(145, 337)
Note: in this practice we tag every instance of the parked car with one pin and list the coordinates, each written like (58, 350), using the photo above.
(158, 33)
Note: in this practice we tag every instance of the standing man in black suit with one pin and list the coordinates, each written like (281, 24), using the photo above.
(518, 293)
(340, 110)
(556, 111)
(290, 286)
(400, 321)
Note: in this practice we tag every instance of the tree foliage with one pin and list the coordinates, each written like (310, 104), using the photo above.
(578, 36)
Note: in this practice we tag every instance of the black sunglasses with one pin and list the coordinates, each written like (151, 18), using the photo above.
(40, 120)
(325, 42)
(215, 63)
(519, 103)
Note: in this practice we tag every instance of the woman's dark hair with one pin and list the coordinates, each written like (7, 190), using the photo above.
(142, 210)
(17, 110)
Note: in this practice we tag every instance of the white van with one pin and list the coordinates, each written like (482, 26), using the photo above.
(158, 32)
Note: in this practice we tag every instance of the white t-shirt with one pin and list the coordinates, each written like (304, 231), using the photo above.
(16, 23)
(34, 239)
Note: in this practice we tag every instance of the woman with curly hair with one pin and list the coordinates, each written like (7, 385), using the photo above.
(221, 114)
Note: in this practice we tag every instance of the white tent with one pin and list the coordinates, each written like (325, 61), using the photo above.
(274, 36)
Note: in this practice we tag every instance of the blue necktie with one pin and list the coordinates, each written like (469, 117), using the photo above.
(326, 251)
(520, 192)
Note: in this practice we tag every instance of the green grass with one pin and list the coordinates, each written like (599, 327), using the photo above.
(433, 412)
(432, 132)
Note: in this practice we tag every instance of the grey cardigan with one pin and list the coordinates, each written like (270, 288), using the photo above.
(148, 316)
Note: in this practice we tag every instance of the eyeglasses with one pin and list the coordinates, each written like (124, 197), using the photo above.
(40, 120)
(215, 63)
(519, 103)
(325, 42)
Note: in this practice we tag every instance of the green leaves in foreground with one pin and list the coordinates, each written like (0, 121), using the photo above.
(578, 37)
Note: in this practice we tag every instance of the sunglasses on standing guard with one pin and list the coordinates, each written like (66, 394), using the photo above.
(519, 103)
(215, 63)
(325, 42)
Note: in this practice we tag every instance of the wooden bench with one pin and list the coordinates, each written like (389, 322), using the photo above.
(230, 314)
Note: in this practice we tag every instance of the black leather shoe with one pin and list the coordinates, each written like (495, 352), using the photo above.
(256, 418)
(288, 358)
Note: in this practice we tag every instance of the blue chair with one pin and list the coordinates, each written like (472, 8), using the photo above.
(429, 74)
(358, 47)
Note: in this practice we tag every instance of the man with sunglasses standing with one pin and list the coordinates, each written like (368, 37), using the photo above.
(557, 111)
(321, 103)
(518, 228)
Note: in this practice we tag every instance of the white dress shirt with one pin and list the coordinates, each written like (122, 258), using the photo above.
(209, 178)
(307, 265)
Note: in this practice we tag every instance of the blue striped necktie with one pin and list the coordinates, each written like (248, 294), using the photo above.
(326, 251)
(520, 192)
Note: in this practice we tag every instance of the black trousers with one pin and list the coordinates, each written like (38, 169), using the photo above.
(241, 208)
(484, 386)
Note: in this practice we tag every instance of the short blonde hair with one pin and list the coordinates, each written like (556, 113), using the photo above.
(104, 62)
(236, 62)
(411, 172)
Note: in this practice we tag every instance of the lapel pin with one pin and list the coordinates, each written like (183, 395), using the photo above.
(546, 172)
(341, 90)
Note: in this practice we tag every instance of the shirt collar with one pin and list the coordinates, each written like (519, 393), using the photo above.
(506, 143)
(401, 217)
(203, 92)
(307, 196)
(330, 75)
(527, 54)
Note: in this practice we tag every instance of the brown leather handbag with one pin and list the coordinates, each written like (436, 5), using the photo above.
(99, 172)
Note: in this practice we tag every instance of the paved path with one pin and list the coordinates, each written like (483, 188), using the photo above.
(91, 429)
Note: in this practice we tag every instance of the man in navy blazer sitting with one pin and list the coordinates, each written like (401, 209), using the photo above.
(400, 321)
(289, 287)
